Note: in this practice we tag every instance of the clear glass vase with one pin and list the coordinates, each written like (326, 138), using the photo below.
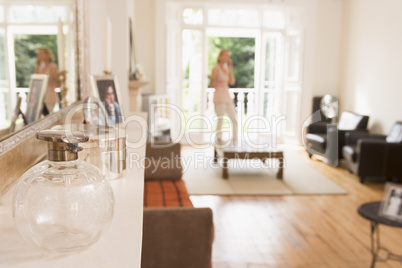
(63, 205)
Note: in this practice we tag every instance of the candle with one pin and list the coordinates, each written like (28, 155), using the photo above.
(60, 46)
(108, 46)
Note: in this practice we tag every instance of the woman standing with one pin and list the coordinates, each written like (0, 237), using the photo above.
(45, 65)
(221, 77)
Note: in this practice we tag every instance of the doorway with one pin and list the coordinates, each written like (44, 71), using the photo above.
(268, 53)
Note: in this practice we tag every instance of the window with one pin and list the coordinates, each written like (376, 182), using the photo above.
(242, 54)
(192, 72)
(37, 14)
(294, 57)
(193, 16)
(233, 17)
(274, 19)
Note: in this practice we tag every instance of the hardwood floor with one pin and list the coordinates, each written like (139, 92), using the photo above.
(298, 231)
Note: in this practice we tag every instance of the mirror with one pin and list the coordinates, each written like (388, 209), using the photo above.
(29, 44)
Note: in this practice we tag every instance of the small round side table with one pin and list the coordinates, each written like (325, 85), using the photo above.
(370, 212)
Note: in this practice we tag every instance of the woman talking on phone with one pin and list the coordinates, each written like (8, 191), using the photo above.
(221, 77)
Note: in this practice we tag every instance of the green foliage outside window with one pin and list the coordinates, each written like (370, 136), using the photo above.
(243, 52)
(25, 47)
(186, 77)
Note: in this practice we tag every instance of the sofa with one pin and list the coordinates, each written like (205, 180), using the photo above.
(371, 155)
(327, 139)
(175, 234)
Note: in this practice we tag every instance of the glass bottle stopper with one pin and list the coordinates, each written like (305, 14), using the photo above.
(62, 144)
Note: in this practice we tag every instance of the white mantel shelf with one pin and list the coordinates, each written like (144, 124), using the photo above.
(119, 246)
(137, 83)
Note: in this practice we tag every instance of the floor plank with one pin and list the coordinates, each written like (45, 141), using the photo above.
(298, 230)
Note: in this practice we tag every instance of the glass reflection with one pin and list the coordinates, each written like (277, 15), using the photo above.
(30, 47)
(45, 65)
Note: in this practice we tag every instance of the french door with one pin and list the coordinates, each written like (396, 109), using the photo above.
(271, 107)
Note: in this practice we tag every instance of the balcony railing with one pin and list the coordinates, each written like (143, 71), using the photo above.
(244, 101)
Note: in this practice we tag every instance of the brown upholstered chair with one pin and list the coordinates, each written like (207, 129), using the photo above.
(327, 139)
(175, 234)
(369, 155)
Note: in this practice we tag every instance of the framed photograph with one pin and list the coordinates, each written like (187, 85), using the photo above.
(106, 89)
(391, 207)
(36, 95)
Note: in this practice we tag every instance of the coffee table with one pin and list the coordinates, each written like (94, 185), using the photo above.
(369, 211)
(247, 152)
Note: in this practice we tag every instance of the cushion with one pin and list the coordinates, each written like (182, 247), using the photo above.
(163, 161)
(317, 142)
(396, 133)
(163, 150)
(352, 121)
(318, 127)
(349, 153)
(166, 193)
(162, 168)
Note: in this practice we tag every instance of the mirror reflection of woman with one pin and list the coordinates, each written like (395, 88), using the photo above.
(45, 65)
(221, 77)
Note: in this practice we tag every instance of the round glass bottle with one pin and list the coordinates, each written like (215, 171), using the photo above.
(63, 203)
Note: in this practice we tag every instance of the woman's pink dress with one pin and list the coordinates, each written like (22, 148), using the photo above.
(221, 85)
(51, 97)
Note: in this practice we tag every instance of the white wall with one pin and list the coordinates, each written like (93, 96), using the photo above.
(372, 61)
(323, 33)
(118, 11)
(144, 40)
(327, 47)
(97, 15)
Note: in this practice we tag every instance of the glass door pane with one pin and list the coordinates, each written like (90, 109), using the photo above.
(192, 76)
(193, 16)
(293, 83)
(294, 57)
(272, 90)
(233, 17)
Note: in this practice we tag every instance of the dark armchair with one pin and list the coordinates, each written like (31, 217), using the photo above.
(370, 155)
(327, 139)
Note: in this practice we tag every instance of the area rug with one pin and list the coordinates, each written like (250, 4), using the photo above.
(250, 177)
